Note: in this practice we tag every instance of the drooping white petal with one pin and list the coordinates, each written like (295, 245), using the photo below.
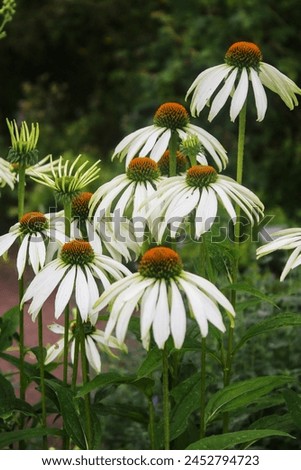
(56, 328)
(177, 316)
(280, 84)
(125, 316)
(33, 251)
(196, 305)
(82, 294)
(64, 292)
(205, 85)
(149, 144)
(22, 255)
(7, 240)
(240, 95)
(161, 145)
(115, 289)
(161, 323)
(290, 263)
(210, 290)
(205, 212)
(225, 200)
(54, 351)
(222, 96)
(93, 293)
(92, 354)
(147, 308)
(259, 95)
(137, 143)
(126, 141)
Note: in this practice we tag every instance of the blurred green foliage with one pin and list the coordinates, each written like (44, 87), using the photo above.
(91, 71)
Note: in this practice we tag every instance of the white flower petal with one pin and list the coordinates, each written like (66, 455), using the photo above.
(161, 323)
(196, 305)
(222, 96)
(240, 95)
(92, 354)
(147, 308)
(177, 316)
(161, 145)
(7, 240)
(64, 292)
(259, 95)
(54, 351)
(82, 294)
(22, 255)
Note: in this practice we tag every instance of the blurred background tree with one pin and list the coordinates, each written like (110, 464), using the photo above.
(91, 71)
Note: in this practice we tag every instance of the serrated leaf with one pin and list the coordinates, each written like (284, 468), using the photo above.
(8, 326)
(242, 394)
(293, 401)
(7, 438)
(69, 413)
(231, 439)
(187, 398)
(269, 324)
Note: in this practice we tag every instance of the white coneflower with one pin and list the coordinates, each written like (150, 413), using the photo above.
(74, 270)
(243, 65)
(169, 119)
(95, 343)
(199, 191)
(125, 193)
(36, 230)
(289, 239)
(159, 290)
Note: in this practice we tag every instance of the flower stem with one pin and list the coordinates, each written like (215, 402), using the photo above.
(85, 375)
(42, 376)
(173, 147)
(151, 428)
(21, 199)
(67, 212)
(203, 389)
(235, 269)
(166, 404)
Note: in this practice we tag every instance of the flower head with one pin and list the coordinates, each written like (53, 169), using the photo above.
(36, 231)
(95, 342)
(6, 174)
(199, 192)
(24, 142)
(169, 119)
(66, 180)
(243, 64)
(160, 289)
(128, 191)
(74, 270)
(289, 239)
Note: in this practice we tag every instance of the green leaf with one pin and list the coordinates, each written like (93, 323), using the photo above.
(231, 439)
(293, 401)
(9, 403)
(279, 422)
(133, 413)
(152, 362)
(7, 438)
(69, 413)
(103, 380)
(187, 398)
(242, 394)
(8, 326)
(29, 369)
(269, 324)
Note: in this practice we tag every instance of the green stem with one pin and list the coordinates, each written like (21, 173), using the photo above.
(85, 375)
(21, 199)
(203, 389)
(75, 362)
(173, 147)
(67, 212)
(42, 376)
(166, 405)
(235, 270)
(151, 411)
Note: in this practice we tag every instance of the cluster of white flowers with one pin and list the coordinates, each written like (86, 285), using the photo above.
(87, 266)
